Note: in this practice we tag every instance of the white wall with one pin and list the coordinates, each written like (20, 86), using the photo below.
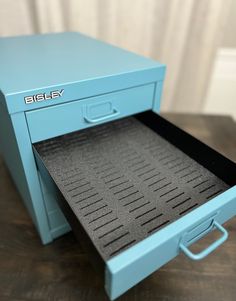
(229, 34)
(221, 96)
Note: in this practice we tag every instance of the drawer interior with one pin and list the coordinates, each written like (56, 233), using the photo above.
(122, 181)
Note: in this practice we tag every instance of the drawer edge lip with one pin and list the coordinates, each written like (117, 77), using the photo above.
(224, 208)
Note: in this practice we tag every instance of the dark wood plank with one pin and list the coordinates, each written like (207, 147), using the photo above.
(61, 270)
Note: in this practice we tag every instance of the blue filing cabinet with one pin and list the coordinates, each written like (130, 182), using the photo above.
(55, 84)
(95, 78)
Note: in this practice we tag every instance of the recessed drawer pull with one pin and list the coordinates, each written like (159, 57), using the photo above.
(103, 118)
(209, 249)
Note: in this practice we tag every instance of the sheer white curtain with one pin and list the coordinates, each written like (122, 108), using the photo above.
(184, 34)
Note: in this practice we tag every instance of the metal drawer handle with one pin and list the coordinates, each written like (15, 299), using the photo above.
(209, 249)
(103, 118)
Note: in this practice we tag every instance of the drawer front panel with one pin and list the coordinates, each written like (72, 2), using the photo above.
(141, 260)
(58, 120)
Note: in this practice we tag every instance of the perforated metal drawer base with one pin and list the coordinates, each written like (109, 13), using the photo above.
(124, 182)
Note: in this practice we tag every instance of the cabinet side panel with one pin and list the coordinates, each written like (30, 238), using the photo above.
(15, 147)
(11, 156)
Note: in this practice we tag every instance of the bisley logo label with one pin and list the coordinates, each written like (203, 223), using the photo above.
(43, 96)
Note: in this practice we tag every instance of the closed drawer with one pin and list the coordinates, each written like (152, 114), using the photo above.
(57, 221)
(65, 118)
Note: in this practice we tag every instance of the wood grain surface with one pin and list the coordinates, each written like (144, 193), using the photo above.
(61, 270)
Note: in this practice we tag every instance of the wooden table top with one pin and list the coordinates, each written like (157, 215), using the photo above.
(61, 270)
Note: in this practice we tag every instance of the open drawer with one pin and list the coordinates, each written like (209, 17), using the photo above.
(136, 192)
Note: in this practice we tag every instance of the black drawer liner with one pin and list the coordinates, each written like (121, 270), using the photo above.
(123, 181)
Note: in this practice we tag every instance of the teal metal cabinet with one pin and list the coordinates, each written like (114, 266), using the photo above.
(57, 84)
(97, 83)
